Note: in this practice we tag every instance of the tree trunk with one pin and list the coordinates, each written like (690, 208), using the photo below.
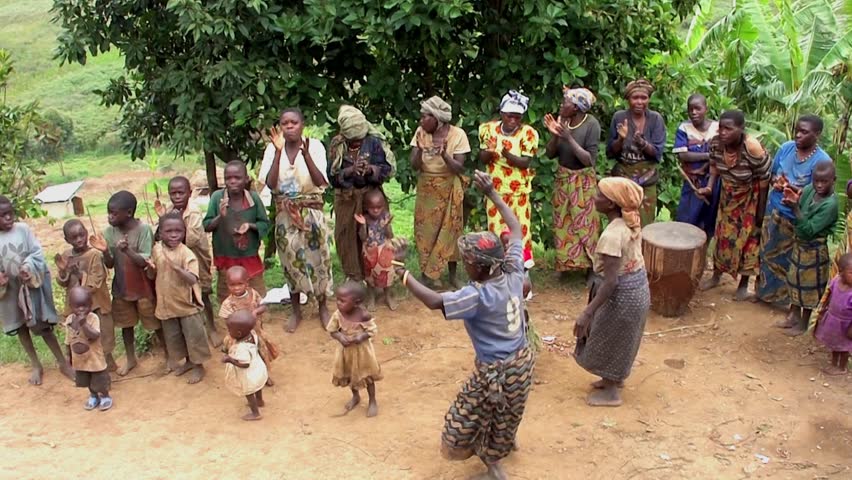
(210, 165)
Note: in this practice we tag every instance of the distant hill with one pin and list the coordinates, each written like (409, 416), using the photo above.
(27, 32)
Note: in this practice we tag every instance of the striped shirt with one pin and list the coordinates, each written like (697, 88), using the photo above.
(752, 164)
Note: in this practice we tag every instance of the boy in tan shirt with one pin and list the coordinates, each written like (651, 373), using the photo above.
(83, 337)
(179, 304)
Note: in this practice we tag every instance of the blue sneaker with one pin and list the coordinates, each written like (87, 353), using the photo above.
(106, 403)
(92, 403)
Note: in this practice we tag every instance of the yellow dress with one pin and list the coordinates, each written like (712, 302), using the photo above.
(355, 364)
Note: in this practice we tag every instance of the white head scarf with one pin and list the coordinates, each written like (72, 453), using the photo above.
(514, 102)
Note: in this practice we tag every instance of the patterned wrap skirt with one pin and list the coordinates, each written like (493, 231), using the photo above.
(303, 240)
(777, 241)
(615, 333)
(737, 233)
(488, 410)
(810, 267)
(576, 225)
(438, 214)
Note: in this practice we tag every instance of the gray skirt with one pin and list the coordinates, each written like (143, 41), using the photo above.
(616, 329)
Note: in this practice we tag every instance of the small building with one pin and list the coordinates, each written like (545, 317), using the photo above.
(60, 201)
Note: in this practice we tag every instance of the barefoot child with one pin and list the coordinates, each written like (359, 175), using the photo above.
(26, 297)
(833, 325)
(244, 297)
(238, 221)
(196, 239)
(810, 263)
(355, 364)
(83, 337)
(83, 266)
(179, 304)
(245, 372)
(376, 233)
(487, 412)
(126, 246)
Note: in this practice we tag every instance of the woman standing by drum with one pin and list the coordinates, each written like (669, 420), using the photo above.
(744, 168)
(438, 157)
(692, 146)
(637, 137)
(360, 161)
(609, 331)
(297, 182)
(507, 148)
(792, 167)
(574, 141)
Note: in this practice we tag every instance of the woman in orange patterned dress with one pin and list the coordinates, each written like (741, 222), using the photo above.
(507, 148)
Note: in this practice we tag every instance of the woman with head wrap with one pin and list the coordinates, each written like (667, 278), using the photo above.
(743, 166)
(575, 135)
(609, 331)
(692, 147)
(792, 167)
(507, 148)
(361, 160)
(637, 137)
(294, 169)
(438, 156)
(486, 414)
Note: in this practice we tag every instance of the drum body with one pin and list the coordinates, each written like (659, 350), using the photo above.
(674, 258)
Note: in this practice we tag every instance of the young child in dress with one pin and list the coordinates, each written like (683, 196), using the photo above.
(26, 296)
(244, 297)
(126, 246)
(238, 221)
(810, 263)
(834, 318)
(179, 305)
(180, 193)
(245, 372)
(83, 266)
(83, 338)
(377, 253)
(355, 364)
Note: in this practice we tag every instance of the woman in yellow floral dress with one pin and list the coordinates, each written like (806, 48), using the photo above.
(507, 148)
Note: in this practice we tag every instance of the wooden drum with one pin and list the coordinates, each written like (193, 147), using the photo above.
(674, 258)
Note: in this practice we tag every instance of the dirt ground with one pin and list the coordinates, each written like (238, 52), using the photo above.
(730, 399)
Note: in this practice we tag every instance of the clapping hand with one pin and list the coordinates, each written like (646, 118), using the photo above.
(483, 182)
(276, 137)
(159, 208)
(553, 125)
(98, 242)
(622, 129)
(24, 274)
(360, 219)
(639, 139)
(242, 229)
(61, 263)
(122, 244)
(305, 148)
(223, 207)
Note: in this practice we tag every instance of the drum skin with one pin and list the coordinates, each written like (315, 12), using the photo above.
(675, 255)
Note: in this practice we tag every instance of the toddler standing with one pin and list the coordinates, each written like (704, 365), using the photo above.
(245, 372)
(83, 337)
(377, 253)
(834, 318)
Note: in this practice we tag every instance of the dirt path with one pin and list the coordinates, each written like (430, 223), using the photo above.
(701, 403)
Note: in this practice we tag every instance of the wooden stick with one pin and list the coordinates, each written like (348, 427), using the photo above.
(692, 185)
(91, 221)
(147, 209)
(678, 329)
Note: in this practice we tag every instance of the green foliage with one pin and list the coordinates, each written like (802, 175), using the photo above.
(19, 176)
(210, 75)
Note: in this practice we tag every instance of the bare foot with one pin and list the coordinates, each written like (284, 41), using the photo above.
(390, 301)
(371, 301)
(834, 371)
(130, 365)
(293, 323)
(170, 367)
(351, 404)
(372, 409)
(323, 314)
(196, 374)
(601, 384)
(456, 283)
(742, 294)
(269, 382)
(495, 472)
(795, 331)
(215, 338)
(111, 365)
(709, 283)
(788, 322)
(181, 369)
(252, 416)
(66, 370)
(36, 376)
(260, 402)
(606, 397)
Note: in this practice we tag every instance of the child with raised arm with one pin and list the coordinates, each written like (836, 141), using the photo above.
(376, 233)
(180, 192)
(491, 404)
(355, 364)
(83, 266)
(179, 305)
(833, 325)
(238, 221)
(126, 246)
(243, 297)
(26, 296)
(83, 338)
(245, 372)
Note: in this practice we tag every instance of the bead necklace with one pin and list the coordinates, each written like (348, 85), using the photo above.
(803, 160)
(579, 124)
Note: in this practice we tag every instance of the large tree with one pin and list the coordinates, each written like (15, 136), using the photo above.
(208, 74)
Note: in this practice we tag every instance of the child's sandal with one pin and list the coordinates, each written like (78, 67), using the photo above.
(106, 403)
(92, 403)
